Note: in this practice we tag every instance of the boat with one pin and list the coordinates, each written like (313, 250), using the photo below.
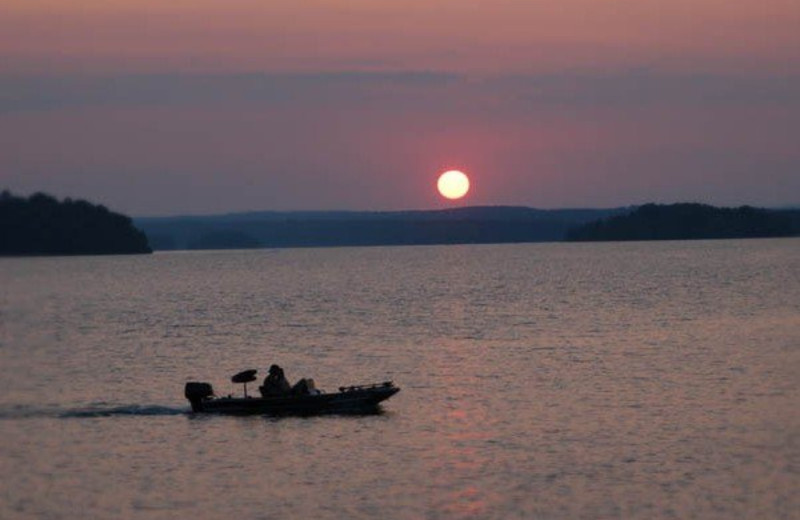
(355, 399)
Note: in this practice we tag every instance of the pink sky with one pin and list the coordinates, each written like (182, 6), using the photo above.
(205, 106)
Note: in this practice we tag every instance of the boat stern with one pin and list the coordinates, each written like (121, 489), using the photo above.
(196, 393)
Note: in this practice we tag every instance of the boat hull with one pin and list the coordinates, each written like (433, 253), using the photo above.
(355, 399)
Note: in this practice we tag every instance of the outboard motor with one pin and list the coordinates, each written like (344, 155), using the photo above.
(195, 392)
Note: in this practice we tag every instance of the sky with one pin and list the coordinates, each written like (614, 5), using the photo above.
(204, 106)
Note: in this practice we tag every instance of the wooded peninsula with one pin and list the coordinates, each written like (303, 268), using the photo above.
(690, 222)
(43, 225)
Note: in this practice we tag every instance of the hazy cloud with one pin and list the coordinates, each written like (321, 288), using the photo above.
(49, 93)
(163, 143)
(423, 90)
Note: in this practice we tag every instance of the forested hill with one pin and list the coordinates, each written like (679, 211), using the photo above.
(690, 221)
(466, 225)
(42, 225)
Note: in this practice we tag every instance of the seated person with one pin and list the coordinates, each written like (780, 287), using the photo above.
(305, 386)
(275, 383)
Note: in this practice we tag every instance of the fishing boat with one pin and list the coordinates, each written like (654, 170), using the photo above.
(306, 400)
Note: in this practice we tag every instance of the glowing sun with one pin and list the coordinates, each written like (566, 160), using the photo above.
(453, 184)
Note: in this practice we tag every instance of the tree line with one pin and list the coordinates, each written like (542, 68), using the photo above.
(42, 225)
(688, 221)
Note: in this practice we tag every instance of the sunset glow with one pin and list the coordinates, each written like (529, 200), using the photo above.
(453, 184)
(202, 106)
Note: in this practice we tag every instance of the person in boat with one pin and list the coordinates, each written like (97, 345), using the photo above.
(305, 386)
(275, 383)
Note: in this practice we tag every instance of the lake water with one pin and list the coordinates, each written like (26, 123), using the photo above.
(553, 381)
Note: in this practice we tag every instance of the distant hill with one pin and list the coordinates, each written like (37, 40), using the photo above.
(690, 221)
(468, 225)
(42, 225)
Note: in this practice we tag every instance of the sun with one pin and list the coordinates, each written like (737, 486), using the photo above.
(453, 184)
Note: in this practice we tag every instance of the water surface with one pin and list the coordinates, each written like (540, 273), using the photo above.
(631, 380)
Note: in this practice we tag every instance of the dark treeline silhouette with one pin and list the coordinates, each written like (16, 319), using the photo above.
(468, 225)
(42, 225)
(689, 221)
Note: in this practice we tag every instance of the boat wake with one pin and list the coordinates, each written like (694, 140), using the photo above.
(134, 409)
(94, 410)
